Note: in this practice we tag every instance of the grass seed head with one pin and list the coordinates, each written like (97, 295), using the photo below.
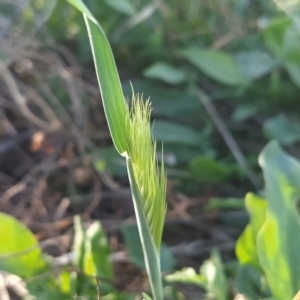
(150, 179)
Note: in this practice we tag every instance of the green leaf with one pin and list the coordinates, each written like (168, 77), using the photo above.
(216, 65)
(246, 250)
(91, 249)
(281, 129)
(277, 242)
(151, 255)
(188, 275)
(274, 34)
(115, 108)
(165, 72)
(255, 64)
(244, 112)
(170, 132)
(207, 170)
(78, 245)
(122, 6)
(251, 283)
(213, 271)
(97, 252)
(20, 253)
(294, 71)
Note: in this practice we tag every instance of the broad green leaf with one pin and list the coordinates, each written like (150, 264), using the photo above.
(255, 64)
(207, 170)
(170, 132)
(149, 248)
(277, 242)
(217, 285)
(165, 72)
(281, 129)
(20, 253)
(244, 112)
(216, 65)
(187, 275)
(246, 250)
(46, 287)
(108, 79)
(122, 6)
(294, 71)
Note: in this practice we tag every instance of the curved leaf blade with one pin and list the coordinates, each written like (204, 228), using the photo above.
(108, 79)
(151, 255)
(20, 253)
(277, 242)
(246, 250)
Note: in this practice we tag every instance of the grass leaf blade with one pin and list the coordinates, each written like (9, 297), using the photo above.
(151, 256)
(109, 82)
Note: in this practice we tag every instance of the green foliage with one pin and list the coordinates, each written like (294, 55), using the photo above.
(174, 133)
(91, 250)
(187, 275)
(131, 133)
(108, 79)
(148, 244)
(122, 6)
(270, 242)
(207, 170)
(268, 248)
(252, 76)
(212, 277)
(20, 252)
(281, 129)
(165, 73)
(246, 247)
(213, 271)
(251, 283)
(216, 64)
(276, 240)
